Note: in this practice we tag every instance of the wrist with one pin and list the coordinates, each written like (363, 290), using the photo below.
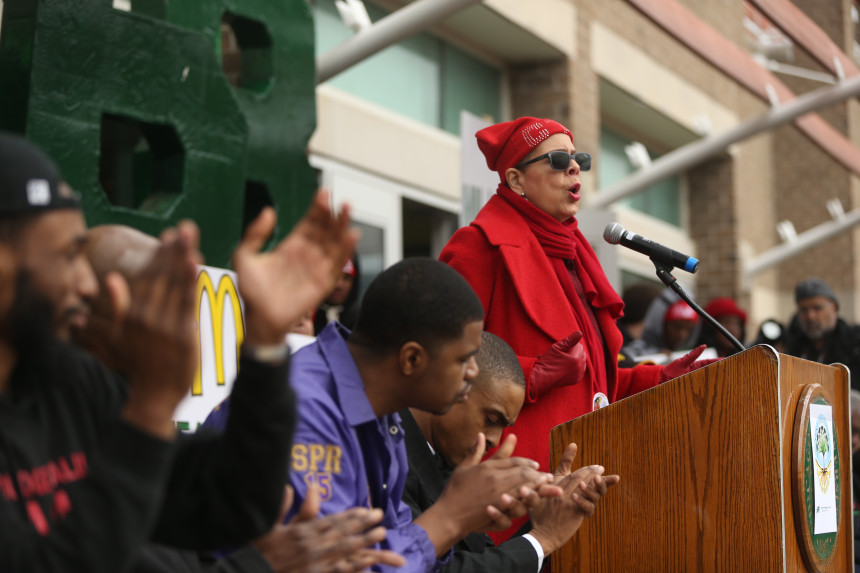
(258, 332)
(150, 415)
(443, 531)
(547, 542)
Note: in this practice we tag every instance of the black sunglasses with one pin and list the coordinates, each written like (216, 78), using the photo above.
(560, 160)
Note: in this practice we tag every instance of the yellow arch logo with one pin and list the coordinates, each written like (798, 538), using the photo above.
(216, 298)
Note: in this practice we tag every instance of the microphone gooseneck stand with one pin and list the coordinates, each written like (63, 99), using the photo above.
(664, 273)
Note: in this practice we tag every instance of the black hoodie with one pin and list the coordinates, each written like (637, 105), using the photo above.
(81, 490)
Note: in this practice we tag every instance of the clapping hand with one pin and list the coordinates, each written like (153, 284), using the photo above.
(556, 520)
(337, 543)
(279, 286)
(156, 332)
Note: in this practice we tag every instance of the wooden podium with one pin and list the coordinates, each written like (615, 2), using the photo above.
(718, 472)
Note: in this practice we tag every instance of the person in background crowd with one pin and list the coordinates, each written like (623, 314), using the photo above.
(437, 444)
(725, 311)
(774, 333)
(819, 334)
(637, 298)
(542, 286)
(342, 303)
(216, 471)
(414, 345)
(675, 330)
(678, 326)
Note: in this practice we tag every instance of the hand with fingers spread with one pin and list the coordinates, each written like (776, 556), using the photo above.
(484, 495)
(556, 520)
(337, 543)
(563, 364)
(281, 285)
(155, 330)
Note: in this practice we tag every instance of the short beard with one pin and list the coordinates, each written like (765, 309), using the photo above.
(816, 334)
(29, 325)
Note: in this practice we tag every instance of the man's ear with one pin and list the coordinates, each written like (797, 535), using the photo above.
(8, 277)
(9, 266)
(514, 178)
(413, 359)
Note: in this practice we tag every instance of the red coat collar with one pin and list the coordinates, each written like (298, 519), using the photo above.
(532, 274)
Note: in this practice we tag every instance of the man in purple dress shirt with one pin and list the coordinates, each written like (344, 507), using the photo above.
(413, 346)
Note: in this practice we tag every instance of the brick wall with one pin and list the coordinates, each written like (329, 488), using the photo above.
(735, 200)
(806, 177)
(542, 90)
(713, 225)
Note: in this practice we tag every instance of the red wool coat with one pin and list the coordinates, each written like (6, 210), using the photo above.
(525, 305)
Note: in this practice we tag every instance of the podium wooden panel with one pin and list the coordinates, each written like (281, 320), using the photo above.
(705, 462)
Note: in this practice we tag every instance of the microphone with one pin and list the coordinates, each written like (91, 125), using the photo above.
(615, 234)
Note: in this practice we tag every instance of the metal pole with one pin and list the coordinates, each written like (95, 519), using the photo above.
(695, 153)
(804, 241)
(395, 27)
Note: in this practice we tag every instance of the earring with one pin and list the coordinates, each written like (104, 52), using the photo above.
(524, 195)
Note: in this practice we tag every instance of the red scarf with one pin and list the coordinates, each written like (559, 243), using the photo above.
(565, 241)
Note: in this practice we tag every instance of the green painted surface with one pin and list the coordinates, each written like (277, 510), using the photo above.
(63, 65)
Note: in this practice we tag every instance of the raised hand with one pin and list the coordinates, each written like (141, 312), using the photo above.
(563, 364)
(156, 332)
(279, 286)
(334, 543)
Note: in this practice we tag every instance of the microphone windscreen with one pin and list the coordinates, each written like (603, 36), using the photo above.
(612, 233)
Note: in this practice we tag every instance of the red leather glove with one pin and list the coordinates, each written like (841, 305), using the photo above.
(563, 364)
(685, 364)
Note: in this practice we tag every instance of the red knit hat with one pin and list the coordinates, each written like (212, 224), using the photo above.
(505, 144)
(724, 306)
(680, 310)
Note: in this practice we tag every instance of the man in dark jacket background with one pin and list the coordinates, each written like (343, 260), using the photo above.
(818, 334)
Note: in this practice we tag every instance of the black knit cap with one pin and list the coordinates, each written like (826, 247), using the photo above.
(29, 180)
(814, 287)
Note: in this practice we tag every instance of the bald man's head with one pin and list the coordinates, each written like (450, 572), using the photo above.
(112, 249)
(119, 248)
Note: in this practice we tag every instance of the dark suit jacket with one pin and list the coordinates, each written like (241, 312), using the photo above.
(476, 553)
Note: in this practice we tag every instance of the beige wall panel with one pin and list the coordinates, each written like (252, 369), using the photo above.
(369, 137)
(559, 30)
(620, 62)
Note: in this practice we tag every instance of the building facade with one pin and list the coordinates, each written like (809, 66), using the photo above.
(635, 80)
(631, 87)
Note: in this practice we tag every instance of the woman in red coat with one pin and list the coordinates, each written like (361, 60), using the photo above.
(541, 283)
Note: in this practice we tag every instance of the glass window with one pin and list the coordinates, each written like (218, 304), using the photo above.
(421, 77)
(371, 253)
(468, 84)
(662, 200)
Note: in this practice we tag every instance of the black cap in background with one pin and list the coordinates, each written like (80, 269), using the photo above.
(29, 180)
